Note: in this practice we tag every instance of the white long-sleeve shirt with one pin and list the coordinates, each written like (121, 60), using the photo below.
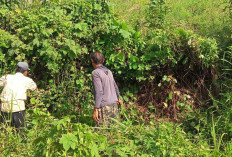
(14, 91)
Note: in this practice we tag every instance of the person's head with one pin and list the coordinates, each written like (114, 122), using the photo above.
(22, 67)
(97, 59)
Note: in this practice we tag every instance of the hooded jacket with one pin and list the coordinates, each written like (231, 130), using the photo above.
(105, 89)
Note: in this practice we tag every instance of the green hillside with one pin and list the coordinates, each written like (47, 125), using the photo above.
(208, 18)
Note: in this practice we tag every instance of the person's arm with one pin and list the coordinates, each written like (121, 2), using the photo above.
(116, 90)
(98, 90)
(95, 115)
(3, 81)
(119, 102)
(31, 85)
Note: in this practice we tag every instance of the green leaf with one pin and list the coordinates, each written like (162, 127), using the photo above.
(94, 149)
(82, 26)
(69, 43)
(124, 26)
(4, 45)
(164, 78)
(74, 49)
(133, 58)
(124, 33)
(170, 96)
(97, 6)
(36, 42)
(134, 66)
(16, 43)
(32, 101)
(68, 140)
(121, 56)
(125, 98)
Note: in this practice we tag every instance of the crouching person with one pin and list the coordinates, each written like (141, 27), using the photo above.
(106, 92)
(14, 95)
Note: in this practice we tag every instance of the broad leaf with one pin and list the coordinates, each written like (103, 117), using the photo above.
(68, 140)
(124, 33)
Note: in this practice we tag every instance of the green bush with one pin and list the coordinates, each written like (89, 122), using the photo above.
(56, 39)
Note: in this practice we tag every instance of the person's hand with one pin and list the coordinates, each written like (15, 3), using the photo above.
(95, 115)
(120, 103)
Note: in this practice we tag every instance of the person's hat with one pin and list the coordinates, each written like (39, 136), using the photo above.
(23, 65)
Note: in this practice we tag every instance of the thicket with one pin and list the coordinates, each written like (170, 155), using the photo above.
(171, 73)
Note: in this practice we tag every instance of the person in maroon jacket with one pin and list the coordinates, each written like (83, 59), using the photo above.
(106, 93)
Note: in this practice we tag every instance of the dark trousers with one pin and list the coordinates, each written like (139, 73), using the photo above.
(16, 119)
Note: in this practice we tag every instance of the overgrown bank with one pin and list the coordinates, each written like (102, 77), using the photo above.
(170, 73)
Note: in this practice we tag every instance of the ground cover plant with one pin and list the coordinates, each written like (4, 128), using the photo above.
(174, 80)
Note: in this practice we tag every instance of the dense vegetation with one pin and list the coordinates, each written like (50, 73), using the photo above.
(171, 60)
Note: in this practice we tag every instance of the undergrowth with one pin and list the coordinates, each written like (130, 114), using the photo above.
(48, 136)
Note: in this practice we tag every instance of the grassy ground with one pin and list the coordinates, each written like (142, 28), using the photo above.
(208, 18)
(132, 12)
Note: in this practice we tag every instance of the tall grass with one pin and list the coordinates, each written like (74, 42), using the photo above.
(206, 17)
(132, 12)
